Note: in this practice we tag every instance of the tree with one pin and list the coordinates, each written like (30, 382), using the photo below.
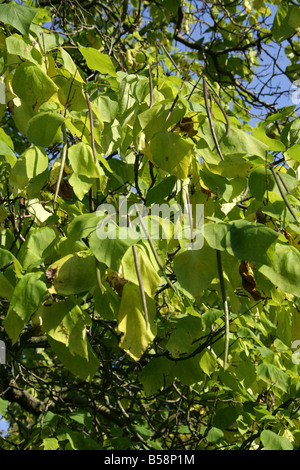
(122, 124)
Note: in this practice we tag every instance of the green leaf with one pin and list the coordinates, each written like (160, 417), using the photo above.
(28, 294)
(73, 274)
(189, 372)
(260, 181)
(278, 210)
(3, 406)
(151, 279)
(286, 21)
(18, 16)
(273, 375)
(294, 152)
(30, 164)
(82, 161)
(273, 144)
(196, 269)
(30, 171)
(250, 242)
(50, 443)
(111, 250)
(187, 330)
(98, 61)
(16, 45)
(64, 322)
(208, 362)
(82, 367)
(218, 184)
(6, 288)
(171, 5)
(80, 441)
(32, 85)
(225, 417)
(284, 270)
(6, 258)
(157, 374)
(43, 128)
(233, 166)
(136, 336)
(179, 342)
(272, 441)
(107, 106)
(215, 235)
(246, 373)
(209, 317)
(5, 149)
(13, 325)
(161, 190)
(80, 184)
(153, 120)
(38, 245)
(238, 142)
(214, 435)
(82, 417)
(82, 225)
(172, 153)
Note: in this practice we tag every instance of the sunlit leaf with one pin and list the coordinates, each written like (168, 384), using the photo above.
(98, 61)
(136, 336)
(18, 16)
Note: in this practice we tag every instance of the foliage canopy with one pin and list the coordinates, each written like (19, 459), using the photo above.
(145, 343)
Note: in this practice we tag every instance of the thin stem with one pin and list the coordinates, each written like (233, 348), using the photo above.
(177, 96)
(151, 86)
(283, 194)
(63, 160)
(92, 125)
(140, 279)
(211, 120)
(153, 249)
(98, 273)
(225, 306)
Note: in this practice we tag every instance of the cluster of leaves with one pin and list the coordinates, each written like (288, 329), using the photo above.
(142, 342)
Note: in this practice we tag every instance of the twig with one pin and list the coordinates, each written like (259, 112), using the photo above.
(282, 193)
(140, 279)
(190, 217)
(211, 120)
(92, 125)
(153, 249)
(136, 176)
(63, 160)
(98, 273)
(177, 96)
(54, 19)
(223, 112)
(151, 86)
(225, 306)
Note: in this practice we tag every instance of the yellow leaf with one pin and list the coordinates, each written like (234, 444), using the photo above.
(131, 322)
